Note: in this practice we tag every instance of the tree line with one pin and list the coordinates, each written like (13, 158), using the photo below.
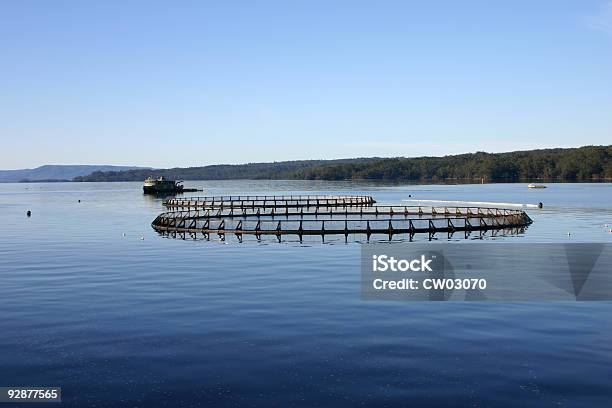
(575, 164)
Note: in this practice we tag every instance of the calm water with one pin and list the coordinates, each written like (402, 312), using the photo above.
(119, 321)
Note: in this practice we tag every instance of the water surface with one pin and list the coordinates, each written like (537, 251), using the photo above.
(156, 322)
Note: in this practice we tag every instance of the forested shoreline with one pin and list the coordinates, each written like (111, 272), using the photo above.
(588, 163)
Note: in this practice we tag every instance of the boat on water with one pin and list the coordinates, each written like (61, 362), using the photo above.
(536, 186)
(162, 186)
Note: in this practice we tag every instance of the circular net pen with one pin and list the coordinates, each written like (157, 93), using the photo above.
(324, 216)
(285, 201)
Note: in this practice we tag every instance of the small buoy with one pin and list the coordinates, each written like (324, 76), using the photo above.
(409, 195)
(124, 234)
(29, 213)
(540, 205)
(142, 237)
(569, 233)
(79, 201)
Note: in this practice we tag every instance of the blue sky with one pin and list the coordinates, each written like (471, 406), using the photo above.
(193, 83)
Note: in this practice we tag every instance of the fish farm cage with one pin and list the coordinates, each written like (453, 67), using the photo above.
(315, 215)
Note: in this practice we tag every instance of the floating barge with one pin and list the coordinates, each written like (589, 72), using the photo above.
(162, 186)
(327, 215)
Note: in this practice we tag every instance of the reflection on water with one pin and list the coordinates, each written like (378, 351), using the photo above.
(117, 320)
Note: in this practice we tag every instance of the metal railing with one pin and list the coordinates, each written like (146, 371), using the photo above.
(269, 201)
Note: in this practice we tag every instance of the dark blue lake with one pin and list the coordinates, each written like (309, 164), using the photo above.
(120, 321)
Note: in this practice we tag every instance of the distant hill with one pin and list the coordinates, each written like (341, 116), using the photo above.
(55, 172)
(273, 170)
(574, 164)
